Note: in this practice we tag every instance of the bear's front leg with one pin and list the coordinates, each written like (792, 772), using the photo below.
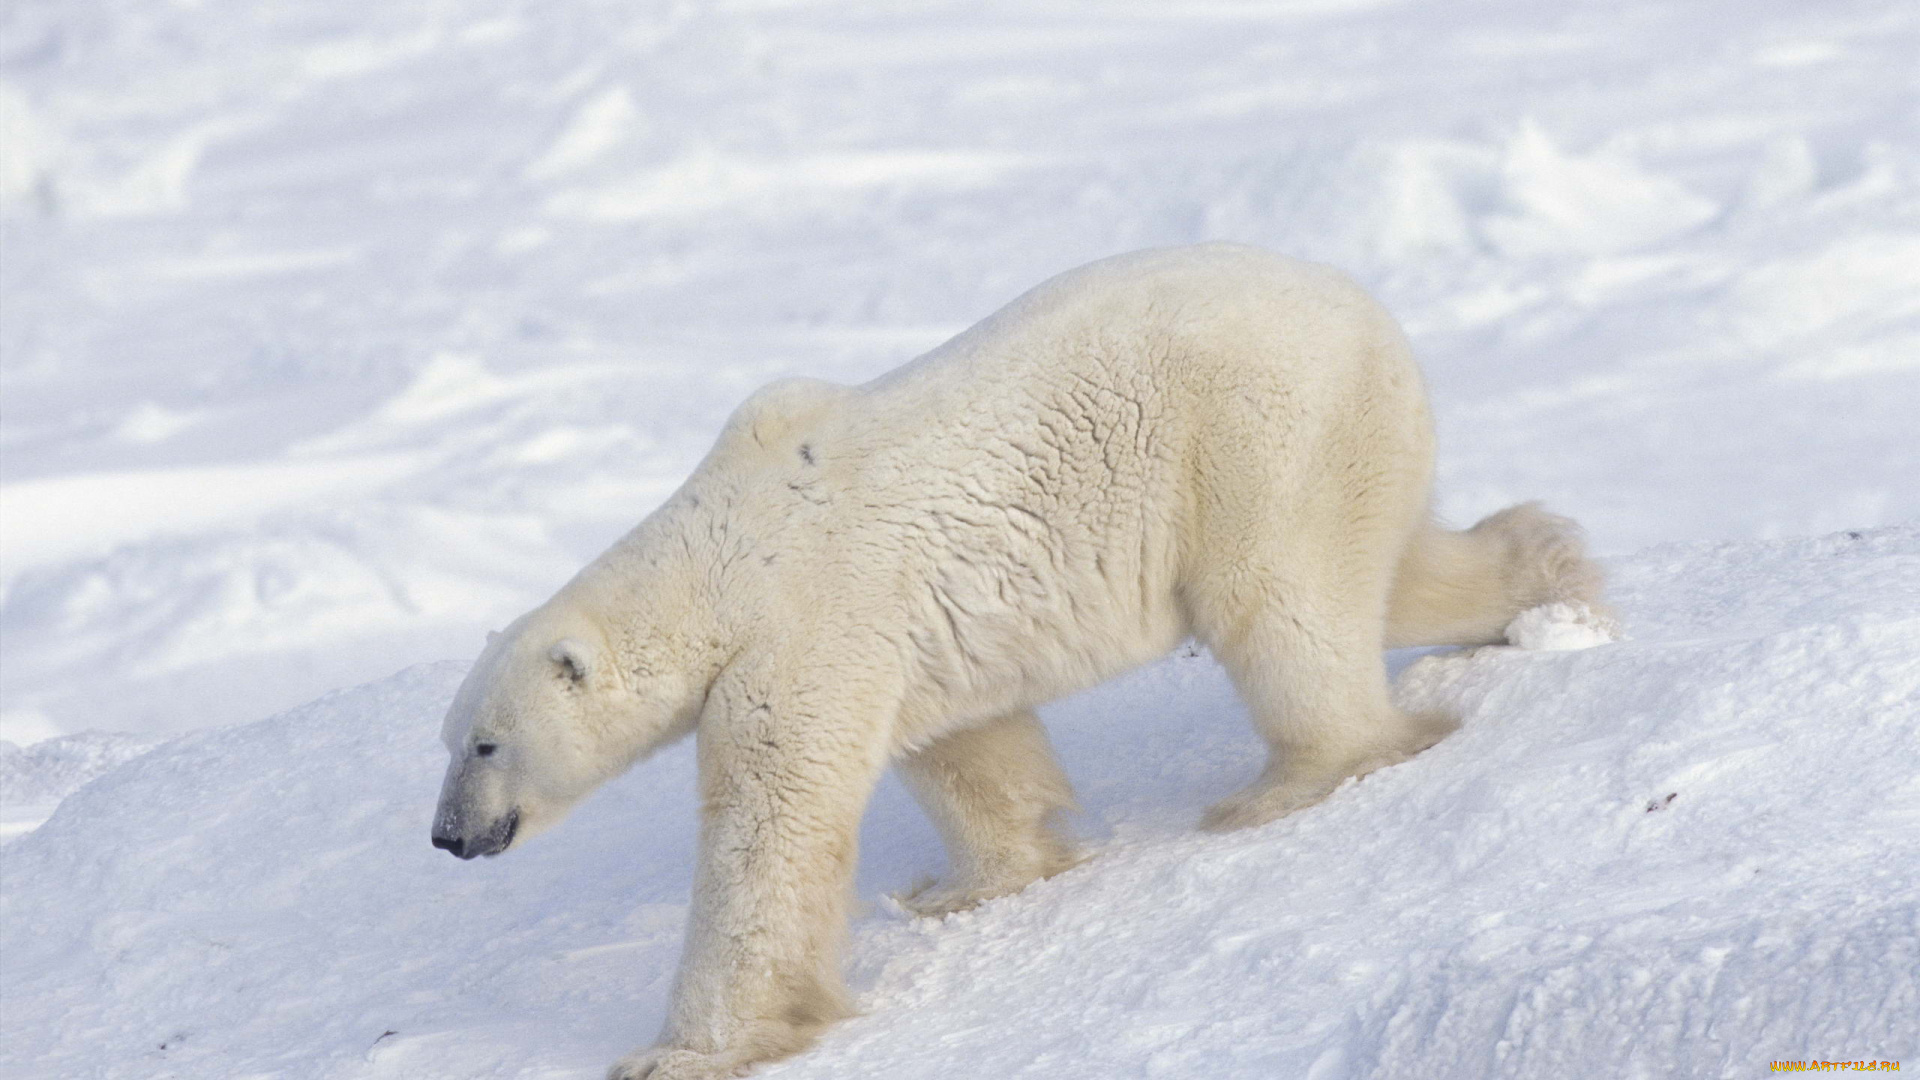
(783, 787)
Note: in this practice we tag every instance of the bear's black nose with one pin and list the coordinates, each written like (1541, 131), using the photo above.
(451, 843)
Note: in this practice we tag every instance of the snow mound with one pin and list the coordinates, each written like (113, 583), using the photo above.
(49, 771)
(1688, 854)
(33, 779)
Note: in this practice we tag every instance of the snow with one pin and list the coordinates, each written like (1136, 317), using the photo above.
(1687, 854)
(33, 779)
(336, 335)
(1562, 627)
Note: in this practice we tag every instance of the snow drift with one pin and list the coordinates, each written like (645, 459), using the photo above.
(1686, 853)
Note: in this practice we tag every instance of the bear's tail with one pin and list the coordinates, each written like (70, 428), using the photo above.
(1463, 588)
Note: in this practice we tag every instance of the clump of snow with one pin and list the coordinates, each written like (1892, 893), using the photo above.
(1561, 626)
(1688, 854)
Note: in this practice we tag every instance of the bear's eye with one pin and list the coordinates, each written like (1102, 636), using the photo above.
(485, 749)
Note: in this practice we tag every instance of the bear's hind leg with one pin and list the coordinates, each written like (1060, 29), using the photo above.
(993, 791)
(1464, 588)
(1308, 663)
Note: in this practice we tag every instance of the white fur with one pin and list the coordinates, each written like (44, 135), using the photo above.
(1208, 441)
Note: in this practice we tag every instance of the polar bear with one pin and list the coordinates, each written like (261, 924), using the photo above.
(1213, 442)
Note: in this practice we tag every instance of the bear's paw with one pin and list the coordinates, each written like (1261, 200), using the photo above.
(668, 1063)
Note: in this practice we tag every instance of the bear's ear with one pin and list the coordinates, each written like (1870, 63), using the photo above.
(574, 658)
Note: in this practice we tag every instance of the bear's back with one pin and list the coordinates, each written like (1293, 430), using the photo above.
(1101, 379)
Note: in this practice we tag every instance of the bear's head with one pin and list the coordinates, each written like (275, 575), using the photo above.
(547, 714)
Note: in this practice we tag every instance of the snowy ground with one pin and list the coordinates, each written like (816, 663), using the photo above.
(1688, 854)
(333, 335)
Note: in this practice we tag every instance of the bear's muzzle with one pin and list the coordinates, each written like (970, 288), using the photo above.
(492, 842)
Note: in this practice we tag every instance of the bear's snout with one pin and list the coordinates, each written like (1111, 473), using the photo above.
(492, 842)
